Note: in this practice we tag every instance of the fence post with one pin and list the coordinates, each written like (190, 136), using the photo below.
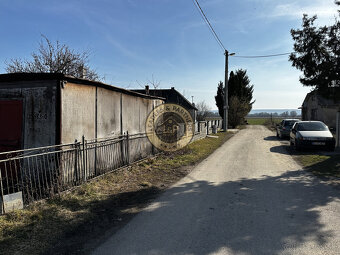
(127, 148)
(76, 161)
(84, 153)
(95, 157)
(2, 195)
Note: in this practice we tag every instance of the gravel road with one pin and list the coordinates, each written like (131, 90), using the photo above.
(249, 197)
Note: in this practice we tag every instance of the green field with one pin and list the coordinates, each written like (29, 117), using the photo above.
(262, 121)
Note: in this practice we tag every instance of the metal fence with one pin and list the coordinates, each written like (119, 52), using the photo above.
(38, 173)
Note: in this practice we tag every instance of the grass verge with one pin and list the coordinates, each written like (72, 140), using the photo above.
(327, 166)
(76, 221)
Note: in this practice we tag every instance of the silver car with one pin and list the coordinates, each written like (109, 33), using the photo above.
(311, 134)
(283, 129)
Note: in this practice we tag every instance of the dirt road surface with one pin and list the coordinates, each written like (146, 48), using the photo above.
(249, 197)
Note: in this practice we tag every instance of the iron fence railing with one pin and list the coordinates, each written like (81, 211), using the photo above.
(39, 173)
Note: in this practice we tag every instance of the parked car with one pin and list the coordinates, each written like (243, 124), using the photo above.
(311, 134)
(283, 129)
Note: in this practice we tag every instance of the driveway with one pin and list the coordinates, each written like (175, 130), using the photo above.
(249, 197)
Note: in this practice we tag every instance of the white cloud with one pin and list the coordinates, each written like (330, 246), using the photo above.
(324, 9)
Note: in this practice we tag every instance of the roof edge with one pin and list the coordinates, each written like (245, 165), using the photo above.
(13, 77)
(171, 89)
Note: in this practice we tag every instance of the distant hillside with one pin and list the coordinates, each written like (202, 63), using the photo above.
(278, 111)
(269, 111)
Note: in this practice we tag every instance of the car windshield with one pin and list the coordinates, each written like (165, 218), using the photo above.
(312, 126)
(290, 123)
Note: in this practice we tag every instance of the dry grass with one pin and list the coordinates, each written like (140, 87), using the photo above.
(74, 222)
(321, 165)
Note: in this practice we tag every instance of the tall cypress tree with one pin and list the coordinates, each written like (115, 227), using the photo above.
(240, 96)
(239, 86)
(219, 98)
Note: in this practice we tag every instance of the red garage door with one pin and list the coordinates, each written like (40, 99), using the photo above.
(10, 140)
(10, 125)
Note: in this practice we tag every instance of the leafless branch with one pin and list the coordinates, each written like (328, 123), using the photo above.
(55, 58)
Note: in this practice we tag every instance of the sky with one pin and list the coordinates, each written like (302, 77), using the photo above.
(135, 42)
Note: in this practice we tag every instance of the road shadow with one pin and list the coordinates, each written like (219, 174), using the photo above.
(275, 138)
(282, 149)
(286, 149)
(271, 138)
(289, 150)
(265, 215)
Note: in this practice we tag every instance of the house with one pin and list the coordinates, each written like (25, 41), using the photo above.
(317, 107)
(171, 96)
(42, 109)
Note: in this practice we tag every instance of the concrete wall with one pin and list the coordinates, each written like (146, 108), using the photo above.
(135, 111)
(98, 112)
(109, 113)
(78, 106)
(330, 117)
(94, 112)
(324, 114)
(39, 110)
(116, 112)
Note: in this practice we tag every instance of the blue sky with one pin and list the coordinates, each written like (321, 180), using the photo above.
(135, 41)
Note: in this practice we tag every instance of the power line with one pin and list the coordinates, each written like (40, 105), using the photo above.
(204, 17)
(264, 56)
(211, 29)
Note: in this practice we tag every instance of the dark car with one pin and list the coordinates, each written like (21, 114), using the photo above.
(283, 129)
(311, 134)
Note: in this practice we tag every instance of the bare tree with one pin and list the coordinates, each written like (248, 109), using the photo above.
(154, 83)
(151, 83)
(54, 58)
(202, 110)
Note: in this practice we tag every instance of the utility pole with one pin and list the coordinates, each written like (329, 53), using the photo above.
(226, 103)
(225, 107)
